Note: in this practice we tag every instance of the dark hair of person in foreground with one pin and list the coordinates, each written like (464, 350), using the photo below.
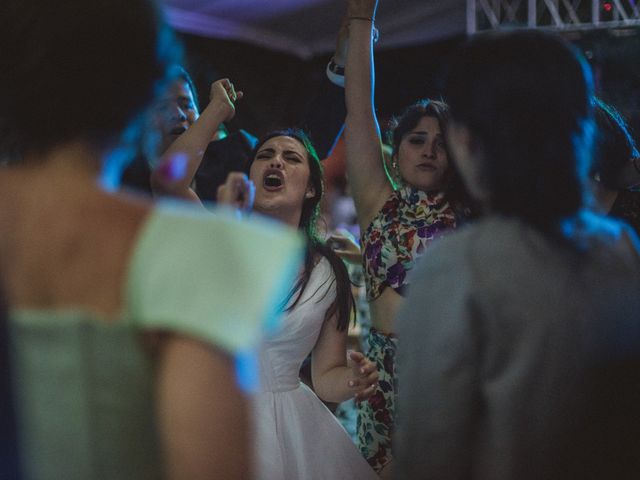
(532, 119)
(91, 76)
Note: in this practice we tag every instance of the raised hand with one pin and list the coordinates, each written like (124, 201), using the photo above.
(223, 96)
(345, 246)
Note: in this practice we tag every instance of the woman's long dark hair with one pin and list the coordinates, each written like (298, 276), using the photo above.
(525, 97)
(344, 305)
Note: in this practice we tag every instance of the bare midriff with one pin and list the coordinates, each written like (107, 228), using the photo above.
(384, 310)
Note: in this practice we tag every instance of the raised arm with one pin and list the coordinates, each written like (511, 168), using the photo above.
(178, 165)
(367, 177)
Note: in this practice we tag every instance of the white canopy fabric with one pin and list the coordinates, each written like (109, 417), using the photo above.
(306, 28)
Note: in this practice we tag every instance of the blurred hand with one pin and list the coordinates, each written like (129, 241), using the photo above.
(345, 246)
(223, 96)
(365, 375)
(237, 191)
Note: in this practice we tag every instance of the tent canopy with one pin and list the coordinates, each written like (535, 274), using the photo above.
(306, 28)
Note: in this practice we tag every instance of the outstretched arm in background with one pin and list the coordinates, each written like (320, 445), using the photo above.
(179, 163)
(367, 177)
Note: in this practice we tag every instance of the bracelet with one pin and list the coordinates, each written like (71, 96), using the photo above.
(336, 68)
(335, 73)
(375, 34)
(366, 19)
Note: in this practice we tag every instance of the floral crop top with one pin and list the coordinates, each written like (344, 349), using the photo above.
(399, 234)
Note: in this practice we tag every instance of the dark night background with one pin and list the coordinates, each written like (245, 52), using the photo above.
(279, 88)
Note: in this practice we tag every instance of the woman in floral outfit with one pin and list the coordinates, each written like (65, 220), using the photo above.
(401, 209)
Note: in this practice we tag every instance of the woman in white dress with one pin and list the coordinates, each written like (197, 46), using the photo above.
(296, 435)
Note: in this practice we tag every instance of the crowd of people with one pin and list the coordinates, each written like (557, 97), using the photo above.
(164, 282)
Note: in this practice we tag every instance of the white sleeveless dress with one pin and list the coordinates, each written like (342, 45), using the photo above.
(297, 437)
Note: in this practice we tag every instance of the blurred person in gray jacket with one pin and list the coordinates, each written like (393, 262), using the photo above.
(520, 337)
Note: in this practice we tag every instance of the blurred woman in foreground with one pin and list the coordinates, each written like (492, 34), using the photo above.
(119, 312)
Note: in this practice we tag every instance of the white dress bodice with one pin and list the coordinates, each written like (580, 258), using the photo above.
(284, 351)
(296, 436)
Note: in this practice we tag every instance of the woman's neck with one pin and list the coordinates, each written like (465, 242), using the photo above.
(286, 216)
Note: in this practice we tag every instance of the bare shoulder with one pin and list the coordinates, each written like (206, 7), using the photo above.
(69, 251)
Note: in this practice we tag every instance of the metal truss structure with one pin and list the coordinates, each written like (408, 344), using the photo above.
(483, 15)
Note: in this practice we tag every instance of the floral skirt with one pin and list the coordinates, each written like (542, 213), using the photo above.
(376, 416)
